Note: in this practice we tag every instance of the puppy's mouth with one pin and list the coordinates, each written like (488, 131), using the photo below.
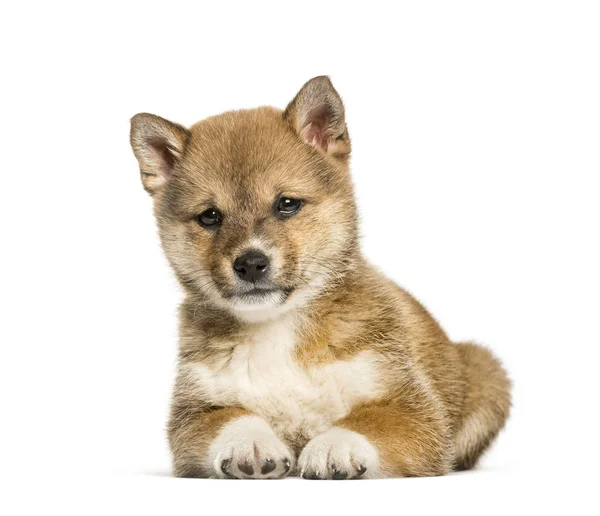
(258, 294)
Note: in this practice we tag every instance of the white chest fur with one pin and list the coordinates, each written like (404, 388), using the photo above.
(263, 376)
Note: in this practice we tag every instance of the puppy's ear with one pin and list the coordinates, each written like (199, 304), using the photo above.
(157, 144)
(317, 115)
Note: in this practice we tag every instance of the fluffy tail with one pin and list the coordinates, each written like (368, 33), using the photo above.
(487, 404)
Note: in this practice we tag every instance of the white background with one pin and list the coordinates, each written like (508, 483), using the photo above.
(476, 130)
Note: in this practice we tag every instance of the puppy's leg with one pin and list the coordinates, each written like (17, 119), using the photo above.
(227, 443)
(381, 440)
(487, 404)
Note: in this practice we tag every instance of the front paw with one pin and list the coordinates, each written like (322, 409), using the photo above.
(248, 448)
(338, 454)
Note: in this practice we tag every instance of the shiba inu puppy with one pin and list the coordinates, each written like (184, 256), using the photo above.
(296, 356)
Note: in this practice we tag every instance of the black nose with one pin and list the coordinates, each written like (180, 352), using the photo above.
(251, 266)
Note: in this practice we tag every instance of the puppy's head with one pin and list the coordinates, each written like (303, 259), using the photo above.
(255, 208)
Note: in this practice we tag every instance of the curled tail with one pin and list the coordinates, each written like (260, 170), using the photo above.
(486, 407)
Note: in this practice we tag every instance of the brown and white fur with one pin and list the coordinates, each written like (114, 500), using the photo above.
(331, 370)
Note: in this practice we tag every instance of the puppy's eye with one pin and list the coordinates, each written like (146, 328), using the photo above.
(209, 218)
(286, 207)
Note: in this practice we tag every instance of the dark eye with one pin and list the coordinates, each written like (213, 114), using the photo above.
(286, 207)
(210, 217)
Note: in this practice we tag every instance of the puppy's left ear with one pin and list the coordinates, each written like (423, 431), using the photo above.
(158, 145)
(317, 115)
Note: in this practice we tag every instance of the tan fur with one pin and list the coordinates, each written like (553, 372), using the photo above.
(344, 354)
(486, 404)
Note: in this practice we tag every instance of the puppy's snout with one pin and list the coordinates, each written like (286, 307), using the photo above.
(251, 266)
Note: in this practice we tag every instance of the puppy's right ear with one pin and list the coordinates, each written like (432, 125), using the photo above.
(157, 144)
